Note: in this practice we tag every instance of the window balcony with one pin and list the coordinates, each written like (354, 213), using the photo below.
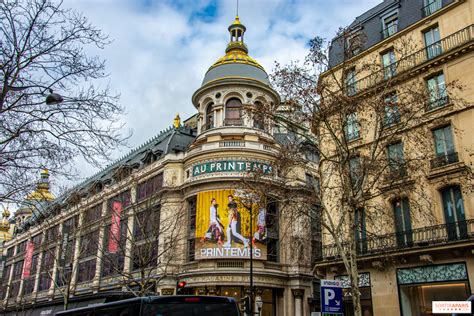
(444, 160)
(445, 46)
(438, 103)
(428, 236)
(431, 7)
(389, 30)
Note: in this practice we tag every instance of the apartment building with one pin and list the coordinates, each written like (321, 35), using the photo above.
(418, 246)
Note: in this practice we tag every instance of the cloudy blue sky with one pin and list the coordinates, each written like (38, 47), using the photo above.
(161, 49)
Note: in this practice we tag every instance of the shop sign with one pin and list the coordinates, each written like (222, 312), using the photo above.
(223, 229)
(451, 307)
(167, 291)
(231, 166)
(331, 297)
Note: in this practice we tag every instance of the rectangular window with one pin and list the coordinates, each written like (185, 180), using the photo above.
(360, 231)
(52, 234)
(17, 270)
(273, 245)
(44, 282)
(351, 127)
(396, 161)
(124, 198)
(93, 214)
(389, 25)
(353, 44)
(149, 187)
(191, 227)
(86, 270)
(436, 92)
(389, 64)
(432, 42)
(391, 112)
(431, 6)
(89, 244)
(21, 247)
(10, 252)
(454, 213)
(355, 171)
(401, 209)
(350, 79)
(147, 224)
(444, 147)
(313, 183)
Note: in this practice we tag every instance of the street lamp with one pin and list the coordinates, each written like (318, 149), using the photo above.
(51, 98)
(247, 199)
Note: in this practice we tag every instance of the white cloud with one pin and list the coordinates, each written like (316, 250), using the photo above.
(161, 52)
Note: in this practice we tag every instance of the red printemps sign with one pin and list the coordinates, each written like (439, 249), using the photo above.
(30, 247)
(114, 234)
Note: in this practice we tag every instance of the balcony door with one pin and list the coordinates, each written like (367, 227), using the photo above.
(360, 231)
(432, 42)
(453, 207)
(401, 208)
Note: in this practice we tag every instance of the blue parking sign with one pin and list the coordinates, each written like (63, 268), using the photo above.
(331, 297)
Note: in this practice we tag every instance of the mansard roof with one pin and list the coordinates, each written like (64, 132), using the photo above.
(170, 140)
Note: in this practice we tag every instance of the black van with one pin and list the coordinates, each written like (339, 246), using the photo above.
(162, 306)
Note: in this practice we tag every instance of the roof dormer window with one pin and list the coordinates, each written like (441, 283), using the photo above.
(389, 25)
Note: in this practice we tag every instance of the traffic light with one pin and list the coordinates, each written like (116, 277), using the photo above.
(245, 304)
(180, 287)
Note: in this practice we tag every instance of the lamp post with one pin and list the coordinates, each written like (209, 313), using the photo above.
(247, 199)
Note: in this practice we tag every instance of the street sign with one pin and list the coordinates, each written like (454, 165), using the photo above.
(331, 297)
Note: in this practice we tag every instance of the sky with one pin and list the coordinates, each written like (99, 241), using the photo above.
(161, 50)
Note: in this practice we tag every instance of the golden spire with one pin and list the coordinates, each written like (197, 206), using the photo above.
(4, 223)
(42, 192)
(177, 121)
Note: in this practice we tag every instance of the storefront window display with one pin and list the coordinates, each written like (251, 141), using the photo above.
(420, 286)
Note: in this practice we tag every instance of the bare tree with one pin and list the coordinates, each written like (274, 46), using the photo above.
(371, 140)
(140, 253)
(43, 48)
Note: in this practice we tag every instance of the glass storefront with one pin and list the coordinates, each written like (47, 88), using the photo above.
(418, 287)
(416, 300)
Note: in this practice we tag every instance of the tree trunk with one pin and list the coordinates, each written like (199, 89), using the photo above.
(354, 271)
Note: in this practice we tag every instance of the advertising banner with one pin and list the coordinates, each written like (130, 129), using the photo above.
(223, 227)
(64, 242)
(30, 246)
(114, 234)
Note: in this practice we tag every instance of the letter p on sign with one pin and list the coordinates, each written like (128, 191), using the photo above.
(329, 295)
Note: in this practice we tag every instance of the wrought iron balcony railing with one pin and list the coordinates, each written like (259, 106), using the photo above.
(431, 7)
(413, 239)
(444, 46)
(438, 102)
(444, 160)
(389, 30)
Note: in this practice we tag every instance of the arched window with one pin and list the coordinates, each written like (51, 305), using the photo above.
(454, 215)
(258, 121)
(233, 110)
(209, 116)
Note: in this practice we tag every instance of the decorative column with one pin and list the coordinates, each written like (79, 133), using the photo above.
(298, 301)
(101, 248)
